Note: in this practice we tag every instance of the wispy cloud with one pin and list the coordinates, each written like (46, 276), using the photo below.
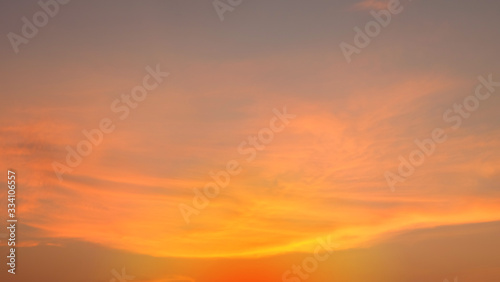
(371, 5)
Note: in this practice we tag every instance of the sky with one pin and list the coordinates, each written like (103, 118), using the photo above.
(256, 141)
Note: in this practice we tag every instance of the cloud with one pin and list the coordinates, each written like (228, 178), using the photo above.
(372, 5)
(177, 278)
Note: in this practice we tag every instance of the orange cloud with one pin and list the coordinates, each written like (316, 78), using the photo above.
(372, 5)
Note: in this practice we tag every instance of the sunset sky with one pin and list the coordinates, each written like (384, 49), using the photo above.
(321, 177)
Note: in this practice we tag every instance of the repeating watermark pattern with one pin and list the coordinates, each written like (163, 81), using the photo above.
(455, 116)
(222, 178)
(30, 28)
(363, 38)
(221, 7)
(121, 277)
(310, 264)
(121, 106)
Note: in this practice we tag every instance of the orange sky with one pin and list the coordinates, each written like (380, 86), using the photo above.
(322, 175)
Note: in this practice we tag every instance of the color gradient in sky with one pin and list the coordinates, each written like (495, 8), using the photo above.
(251, 141)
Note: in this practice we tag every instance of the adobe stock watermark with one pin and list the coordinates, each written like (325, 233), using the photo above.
(454, 116)
(121, 277)
(223, 6)
(363, 38)
(222, 178)
(122, 106)
(310, 264)
(29, 30)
